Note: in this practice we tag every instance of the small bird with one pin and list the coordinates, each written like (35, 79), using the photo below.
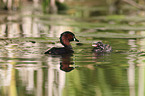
(65, 39)
(99, 47)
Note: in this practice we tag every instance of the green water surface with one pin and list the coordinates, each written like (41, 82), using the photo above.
(26, 71)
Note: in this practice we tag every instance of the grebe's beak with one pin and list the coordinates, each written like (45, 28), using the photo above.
(76, 39)
(94, 45)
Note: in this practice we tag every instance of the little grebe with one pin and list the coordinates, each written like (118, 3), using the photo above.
(99, 47)
(65, 39)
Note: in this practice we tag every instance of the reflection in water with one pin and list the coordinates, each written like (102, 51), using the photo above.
(25, 70)
(22, 71)
(141, 65)
(103, 55)
(131, 69)
(66, 63)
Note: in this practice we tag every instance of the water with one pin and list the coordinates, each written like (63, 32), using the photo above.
(25, 70)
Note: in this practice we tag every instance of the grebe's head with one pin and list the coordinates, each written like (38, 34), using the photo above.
(66, 37)
(97, 44)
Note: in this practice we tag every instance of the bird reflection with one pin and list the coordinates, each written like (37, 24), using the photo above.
(97, 55)
(66, 63)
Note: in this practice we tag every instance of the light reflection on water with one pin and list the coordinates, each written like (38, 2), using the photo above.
(24, 69)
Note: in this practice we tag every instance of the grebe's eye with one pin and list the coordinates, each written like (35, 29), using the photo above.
(76, 39)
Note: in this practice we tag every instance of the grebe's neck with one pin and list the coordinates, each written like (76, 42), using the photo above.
(65, 42)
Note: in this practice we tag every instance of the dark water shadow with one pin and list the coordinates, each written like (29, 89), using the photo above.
(66, 63)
